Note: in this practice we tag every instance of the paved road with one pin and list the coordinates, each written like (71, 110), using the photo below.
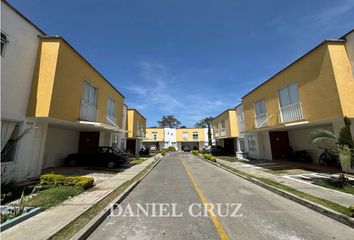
(183, 179)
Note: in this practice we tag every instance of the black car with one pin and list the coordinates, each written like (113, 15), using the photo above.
(186, 148)
(103, 156)
(216, 150)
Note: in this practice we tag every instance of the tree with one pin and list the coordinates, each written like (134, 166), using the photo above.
(206, 123)
(183, 126)
(343, 144)
(169, 121)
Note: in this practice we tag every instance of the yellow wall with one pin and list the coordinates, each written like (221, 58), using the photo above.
(317, 87)
(132, 117)
(179, 134)
(58, 82)
(160, 134)
(231, 127)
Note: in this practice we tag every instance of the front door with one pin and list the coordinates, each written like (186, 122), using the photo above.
(279, 143)
(89, 141)
(131, 146)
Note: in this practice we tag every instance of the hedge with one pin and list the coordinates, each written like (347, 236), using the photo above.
(77, 181)
(209, 157)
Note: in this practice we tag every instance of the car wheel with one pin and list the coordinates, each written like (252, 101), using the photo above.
(72, 162)
(111, 164)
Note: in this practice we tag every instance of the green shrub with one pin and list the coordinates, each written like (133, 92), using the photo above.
(163, 152)
(209, 157)
(77, 181)
(171, 149)
(195, 152)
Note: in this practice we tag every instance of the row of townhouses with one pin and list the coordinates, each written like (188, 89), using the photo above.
(54, 102)
(315, 91)
(179, 138)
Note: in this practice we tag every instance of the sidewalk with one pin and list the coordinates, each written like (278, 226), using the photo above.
(47, 223)
(257, 170)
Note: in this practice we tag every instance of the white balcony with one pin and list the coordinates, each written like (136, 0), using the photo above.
(291, 113)
(88, 112)
(261, 121)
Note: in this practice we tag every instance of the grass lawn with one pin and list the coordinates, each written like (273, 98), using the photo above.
(137, 161)
(52, 195)
(332, 184)
(229, 159)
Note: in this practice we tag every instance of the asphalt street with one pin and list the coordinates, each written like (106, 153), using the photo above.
(171, 201)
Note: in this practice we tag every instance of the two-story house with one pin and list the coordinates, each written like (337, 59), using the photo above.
(225, 129)
(315, 91)
(136, 124)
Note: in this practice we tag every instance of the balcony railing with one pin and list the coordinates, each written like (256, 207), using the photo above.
(261, 121)
(291, 113)
(88, 112)
(223, 132)
(111, 120)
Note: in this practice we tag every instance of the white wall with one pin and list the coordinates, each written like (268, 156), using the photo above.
(349, 44)
(300, 139)
(170, 137)
(59, 143)
(263, 149)
(17, 66)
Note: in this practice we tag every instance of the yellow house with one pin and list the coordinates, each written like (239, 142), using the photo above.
(226, 131)
(155, 137)
(191, 138)
(315, 91)
(136, 124)
(80, 108)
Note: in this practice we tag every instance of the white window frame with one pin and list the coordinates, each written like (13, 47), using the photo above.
(88, 101)
(154, 136)
(287, 88)
(195, 136)
(252, 145)
(260, 107)
(5, 42)
(111, 107)
(185, 136)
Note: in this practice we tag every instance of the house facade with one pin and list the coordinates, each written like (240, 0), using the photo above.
(155, 137)
(226, 130)
(315, 91)
(20, 159)
(192, 138)
(136, 125)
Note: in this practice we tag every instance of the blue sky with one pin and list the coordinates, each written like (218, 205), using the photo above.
(193, 58)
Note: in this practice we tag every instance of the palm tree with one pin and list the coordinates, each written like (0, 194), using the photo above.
(206, 123)
(169, 121)
(343, 144)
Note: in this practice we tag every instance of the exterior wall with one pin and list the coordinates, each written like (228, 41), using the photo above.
(170, 138)
(349, 45)
(59, 143)
(263, 149)
(179, 134)
(344, 77)
(300, 139)
(17, 65)
(231, 127)
(160, 134)
(58, 82)
(314, 76)
(122, 144)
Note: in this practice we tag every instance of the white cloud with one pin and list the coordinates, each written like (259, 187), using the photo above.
(159, 92)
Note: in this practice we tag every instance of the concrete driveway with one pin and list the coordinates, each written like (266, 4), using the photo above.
(185, 180)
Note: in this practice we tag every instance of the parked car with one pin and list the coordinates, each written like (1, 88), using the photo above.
(186, 148)
(103, 156)
(153, 148)
(216, 150)
(144, 151)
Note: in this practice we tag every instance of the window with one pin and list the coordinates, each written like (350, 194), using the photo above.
(252, 142)
(260, 108)
(90, 94)
(9, 137)
(242, 144)
(154, 135)
(4, 42)
(111, 107)
(195, 135)
(115, 139)
(288, 95)
(185, 136)
(222, 124)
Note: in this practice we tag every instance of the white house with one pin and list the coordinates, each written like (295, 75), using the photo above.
(20, 159)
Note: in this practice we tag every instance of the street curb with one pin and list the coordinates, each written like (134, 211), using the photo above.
(344, 219)
(86, 231)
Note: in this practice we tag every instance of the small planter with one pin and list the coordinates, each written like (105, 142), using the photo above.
(28, 212)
